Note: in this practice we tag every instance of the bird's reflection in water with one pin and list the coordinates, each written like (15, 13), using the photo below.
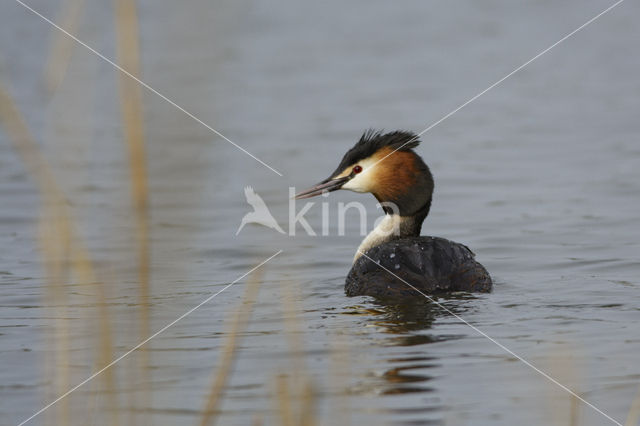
(410, 325)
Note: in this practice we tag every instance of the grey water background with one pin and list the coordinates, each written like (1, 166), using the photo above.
(540, 177)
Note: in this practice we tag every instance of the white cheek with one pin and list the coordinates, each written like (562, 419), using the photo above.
(356, 184)
(364, 181)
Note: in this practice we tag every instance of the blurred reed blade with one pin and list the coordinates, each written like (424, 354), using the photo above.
(564, 365)
(225, 366)
(62, 45)
(284, 397)
(26, 146)
(65, 255)
(340, 369)
(55, 247)
(633, 419)
(128, 55)
(308, 404)
(295, 387)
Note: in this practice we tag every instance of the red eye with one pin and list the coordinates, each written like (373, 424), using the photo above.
(357, 169)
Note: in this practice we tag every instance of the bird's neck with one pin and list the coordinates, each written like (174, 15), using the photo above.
(405, 211)
(391, 227)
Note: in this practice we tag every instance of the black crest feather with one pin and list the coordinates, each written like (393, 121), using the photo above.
(372, 141)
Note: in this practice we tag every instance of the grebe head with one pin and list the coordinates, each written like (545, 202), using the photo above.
(385, 165)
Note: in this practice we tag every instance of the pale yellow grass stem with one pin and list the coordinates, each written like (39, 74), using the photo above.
(230, 348)
(65, 255)
(62, 45)
(128, 56)
(633, 419)
(295, 387)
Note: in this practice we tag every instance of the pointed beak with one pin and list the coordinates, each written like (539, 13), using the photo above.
(327, 185)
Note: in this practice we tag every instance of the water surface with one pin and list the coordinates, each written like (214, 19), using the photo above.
(540, 177)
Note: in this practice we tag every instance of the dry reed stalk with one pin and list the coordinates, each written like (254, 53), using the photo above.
(128, 55)
(62, 45)
(292, 324)
(59, 60)
(308, 405)
(633, 418)
(574, 414)
(564, 367)
(283, 398)
(296, 386)
(56, 253)
(339, 378)
(230, 348)
(64, 253)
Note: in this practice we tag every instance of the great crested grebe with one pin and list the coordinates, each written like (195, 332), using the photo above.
(394, 260)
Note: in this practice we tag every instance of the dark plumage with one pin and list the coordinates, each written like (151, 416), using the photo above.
(430, 264)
